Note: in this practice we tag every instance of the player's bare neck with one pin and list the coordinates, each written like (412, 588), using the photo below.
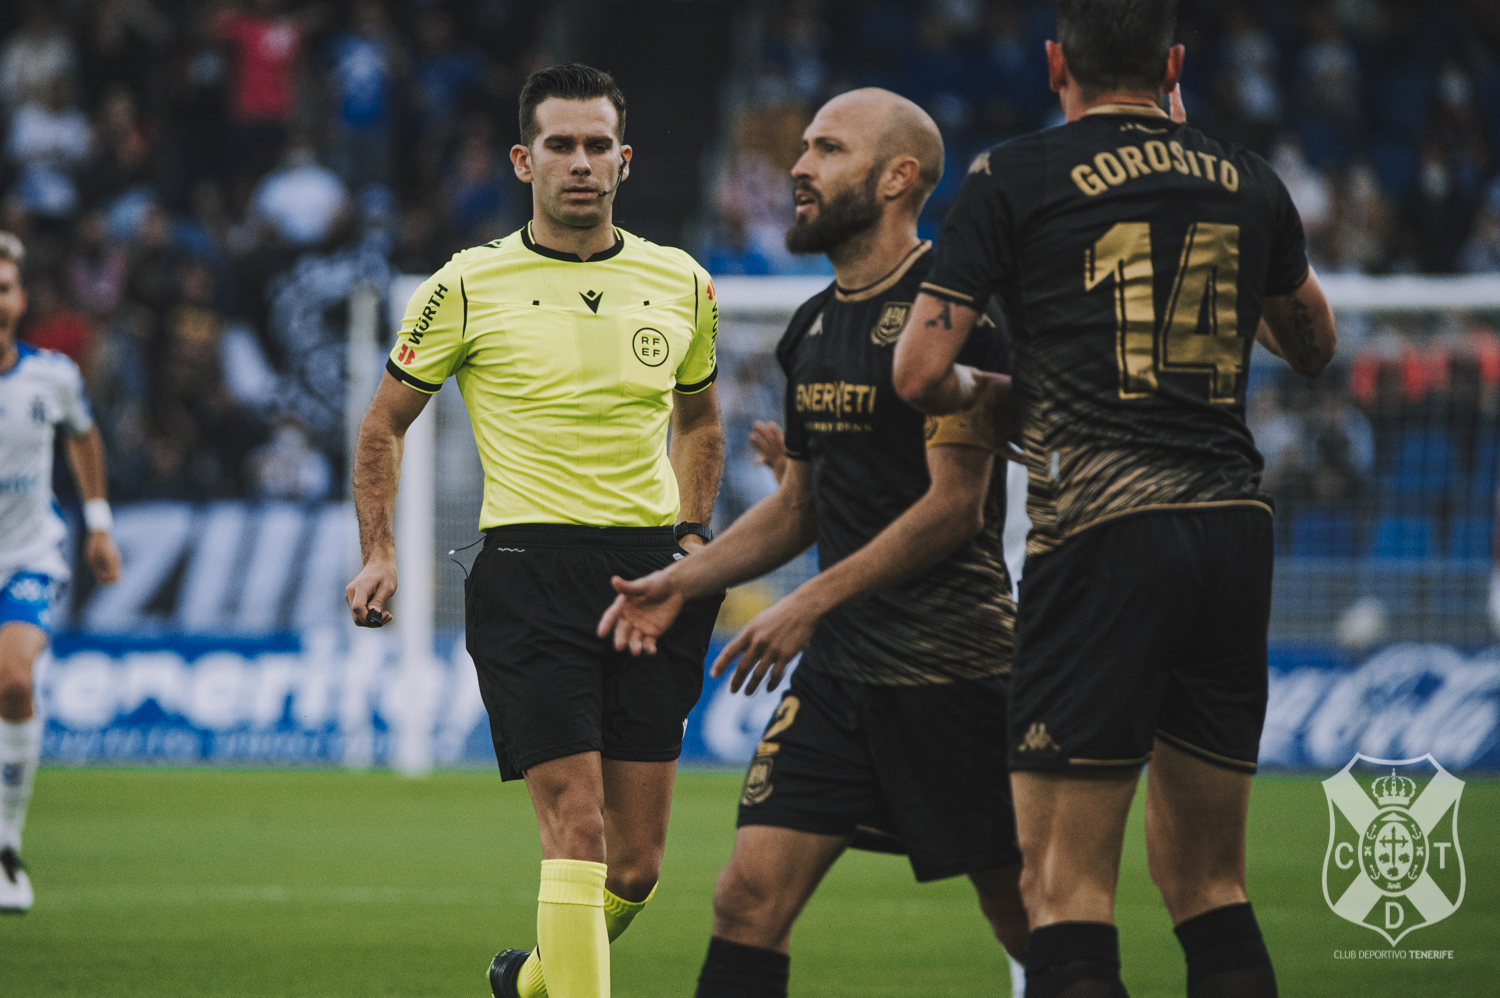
(865, 259)
(584, 243)
(1076, 105)
(10, 354)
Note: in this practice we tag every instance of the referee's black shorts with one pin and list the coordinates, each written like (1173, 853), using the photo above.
(552, 687)
(918, 770)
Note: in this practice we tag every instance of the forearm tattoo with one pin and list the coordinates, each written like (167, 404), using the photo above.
(1307, 338)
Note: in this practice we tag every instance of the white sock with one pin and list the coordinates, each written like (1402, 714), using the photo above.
(1017, 977)
(20, 746)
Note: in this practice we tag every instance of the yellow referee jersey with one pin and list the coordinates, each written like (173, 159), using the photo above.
(567, 368)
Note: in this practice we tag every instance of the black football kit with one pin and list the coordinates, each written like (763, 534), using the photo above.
(1132, 256)
(891, 728)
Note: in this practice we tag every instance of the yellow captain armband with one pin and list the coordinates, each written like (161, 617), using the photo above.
(959, 429)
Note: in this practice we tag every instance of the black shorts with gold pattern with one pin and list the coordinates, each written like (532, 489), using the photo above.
(918, 770)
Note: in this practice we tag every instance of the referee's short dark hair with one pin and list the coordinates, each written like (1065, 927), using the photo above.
(572, 81)
(1117, 44)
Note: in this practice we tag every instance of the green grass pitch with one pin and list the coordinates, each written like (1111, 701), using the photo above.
(189, 883)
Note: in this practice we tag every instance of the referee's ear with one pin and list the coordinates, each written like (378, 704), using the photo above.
(520, 161)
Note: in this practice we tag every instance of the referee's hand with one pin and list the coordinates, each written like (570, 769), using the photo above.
(371, 589)
(642, 612)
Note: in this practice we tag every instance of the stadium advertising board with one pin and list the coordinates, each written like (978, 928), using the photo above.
(226, 642)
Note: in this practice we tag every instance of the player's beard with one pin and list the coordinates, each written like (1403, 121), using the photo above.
(847, 214)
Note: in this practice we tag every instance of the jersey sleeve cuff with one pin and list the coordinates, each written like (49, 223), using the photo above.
(947, 294)
(1294, 286)
(407, 378)
(698, 386)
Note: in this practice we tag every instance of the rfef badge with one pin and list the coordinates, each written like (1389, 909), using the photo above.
(1393, 862)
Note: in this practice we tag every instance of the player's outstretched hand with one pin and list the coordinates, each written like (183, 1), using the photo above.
(103, 557)
(368, 594)
(770, 447)
(767, 645)
(642, 612)
(1174, 102)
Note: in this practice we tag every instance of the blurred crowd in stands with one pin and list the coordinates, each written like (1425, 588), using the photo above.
(1382, 116)
(1393, 454)
(200, 186)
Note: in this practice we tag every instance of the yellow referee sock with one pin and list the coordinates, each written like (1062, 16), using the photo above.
(570, 926)
(618, 914)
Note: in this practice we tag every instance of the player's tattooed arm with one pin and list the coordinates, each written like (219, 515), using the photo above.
(377, 471)
(1299, 328)
(924, 371)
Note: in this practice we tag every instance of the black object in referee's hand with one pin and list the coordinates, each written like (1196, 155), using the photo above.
(376, 618)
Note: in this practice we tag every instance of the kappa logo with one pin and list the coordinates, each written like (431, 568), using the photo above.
(1038, 740)
(1393, 863)
(592, 299)
(892, 320)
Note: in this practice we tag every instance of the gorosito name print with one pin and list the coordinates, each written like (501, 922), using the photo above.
(1112, 169)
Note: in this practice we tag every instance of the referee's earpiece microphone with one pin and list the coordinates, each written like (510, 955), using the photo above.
(624, 172)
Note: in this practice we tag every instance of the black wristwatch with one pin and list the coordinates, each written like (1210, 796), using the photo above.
(702, 530)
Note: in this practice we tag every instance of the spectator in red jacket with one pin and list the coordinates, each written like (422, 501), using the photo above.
(265, 45)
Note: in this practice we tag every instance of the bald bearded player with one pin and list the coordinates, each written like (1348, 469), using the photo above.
(889, 737)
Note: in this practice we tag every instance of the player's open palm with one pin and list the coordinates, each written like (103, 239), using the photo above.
(767, 645)
(769, 444)
(642, 612)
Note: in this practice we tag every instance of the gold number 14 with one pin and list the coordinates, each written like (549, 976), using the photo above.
(1206, 287)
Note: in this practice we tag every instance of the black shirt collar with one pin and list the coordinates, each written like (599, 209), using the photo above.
(553, 254)
(887, 282)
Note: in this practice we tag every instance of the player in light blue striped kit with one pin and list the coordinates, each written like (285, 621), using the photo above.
(39, 391)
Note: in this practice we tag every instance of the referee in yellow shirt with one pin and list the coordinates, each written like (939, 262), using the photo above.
(575, 345)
